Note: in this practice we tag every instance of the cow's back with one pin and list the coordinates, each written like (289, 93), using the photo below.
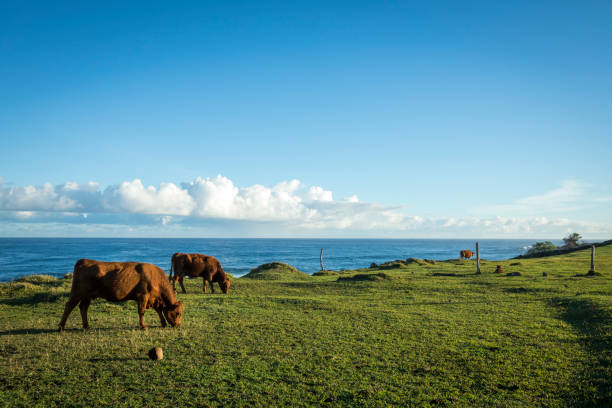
(109, 280)
(205, 266)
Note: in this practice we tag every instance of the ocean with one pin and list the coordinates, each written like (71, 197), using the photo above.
(56, 256)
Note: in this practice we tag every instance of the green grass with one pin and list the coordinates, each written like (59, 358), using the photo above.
(416, 335)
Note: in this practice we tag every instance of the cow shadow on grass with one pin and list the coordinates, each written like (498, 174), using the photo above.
(593, 323)
(76, 329)
(33, 299)
(454, 275)
(34, 330)
(17, 332)
(115, 359)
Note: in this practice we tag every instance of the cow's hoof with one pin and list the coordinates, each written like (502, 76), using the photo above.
(85, 327)
(143, 327)
(61, 329)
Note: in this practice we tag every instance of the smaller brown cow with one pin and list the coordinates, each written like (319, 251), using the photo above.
(194, 265)
(116, 281)
(466, 254)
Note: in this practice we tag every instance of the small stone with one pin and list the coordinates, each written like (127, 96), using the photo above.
(544, 274)
(499, 269)
(156, 353)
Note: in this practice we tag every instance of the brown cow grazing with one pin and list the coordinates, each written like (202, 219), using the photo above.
(194, 265)
(466, 254)
(115, 281)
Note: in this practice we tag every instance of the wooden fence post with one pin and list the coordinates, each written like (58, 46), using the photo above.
(477, 258)
(321, 260)
(592, 270)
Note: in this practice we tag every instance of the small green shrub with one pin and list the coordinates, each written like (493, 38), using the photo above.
(541, 247)
(572, 240)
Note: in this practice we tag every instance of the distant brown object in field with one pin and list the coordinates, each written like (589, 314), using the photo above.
(466, 254)
(194, 265)
(156, 353)
(373, 265)
(499, 269)
(116, 281)
(429, 261)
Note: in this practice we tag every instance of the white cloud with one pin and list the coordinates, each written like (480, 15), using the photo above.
(28, 198)
(134, 197)
(569, 196)
(24, 215)
(289, 206)
(219, 198)
(316, 193)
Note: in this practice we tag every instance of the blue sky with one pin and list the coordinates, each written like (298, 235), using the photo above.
(403, 119)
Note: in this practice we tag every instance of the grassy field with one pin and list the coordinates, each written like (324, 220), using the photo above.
(407, 334)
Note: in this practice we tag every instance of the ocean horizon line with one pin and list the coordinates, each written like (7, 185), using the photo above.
(310, 238)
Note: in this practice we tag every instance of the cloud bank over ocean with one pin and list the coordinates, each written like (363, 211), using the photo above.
(217, 207)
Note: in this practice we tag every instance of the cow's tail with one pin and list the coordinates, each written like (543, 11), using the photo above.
(75, 274)
(171, 267)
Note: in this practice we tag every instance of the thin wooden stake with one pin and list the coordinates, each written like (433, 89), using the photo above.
(477, 258)
(321, 260)
(592, 270)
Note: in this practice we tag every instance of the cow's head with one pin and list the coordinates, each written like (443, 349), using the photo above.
(224, 285)
(173, 313)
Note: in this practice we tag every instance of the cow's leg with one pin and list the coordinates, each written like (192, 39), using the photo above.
(70, 304)
(204, 284)
(161, 317)
(142, 308)
(84, 305)
(212, 286)
(174, 282)
(181, 282)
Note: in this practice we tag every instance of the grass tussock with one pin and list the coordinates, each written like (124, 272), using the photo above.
(275, 271)
(325, 273)
(37, 279)
(403, 263)
(361, 277)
